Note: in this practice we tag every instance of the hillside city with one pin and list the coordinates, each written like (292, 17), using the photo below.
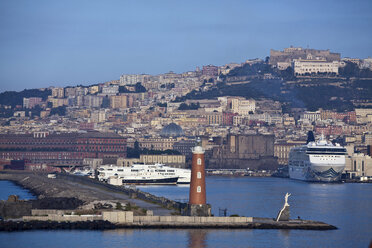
(248, 115)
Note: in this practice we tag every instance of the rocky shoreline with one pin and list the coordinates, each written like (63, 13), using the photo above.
(14, 208)
(11, 226)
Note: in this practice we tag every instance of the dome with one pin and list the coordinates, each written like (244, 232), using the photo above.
(171, 130)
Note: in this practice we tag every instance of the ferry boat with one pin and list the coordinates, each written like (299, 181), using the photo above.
(319, 161)
(145, 174)
(86, 171)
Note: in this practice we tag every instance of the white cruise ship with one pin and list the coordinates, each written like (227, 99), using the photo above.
(319, 161)
(145, 174)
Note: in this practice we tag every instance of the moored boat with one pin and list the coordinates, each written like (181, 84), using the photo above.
(145, 174)
(319, 161)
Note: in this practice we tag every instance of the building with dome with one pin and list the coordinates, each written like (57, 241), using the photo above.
(169, 135)
(171, 130)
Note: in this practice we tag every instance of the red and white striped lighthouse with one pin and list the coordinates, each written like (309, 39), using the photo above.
(197, 198)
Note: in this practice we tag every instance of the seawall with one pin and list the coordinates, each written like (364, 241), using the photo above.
(105, 225)
(57, 219)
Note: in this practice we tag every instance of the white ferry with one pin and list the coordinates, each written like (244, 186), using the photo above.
(319, 161)
(145, 174)
(86, 171)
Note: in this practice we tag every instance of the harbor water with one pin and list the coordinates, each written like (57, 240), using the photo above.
(347, 206)
(9, 188)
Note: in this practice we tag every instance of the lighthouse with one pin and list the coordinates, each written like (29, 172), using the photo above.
(197, 196)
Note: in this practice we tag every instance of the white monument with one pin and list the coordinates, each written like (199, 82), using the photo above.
(283, 214)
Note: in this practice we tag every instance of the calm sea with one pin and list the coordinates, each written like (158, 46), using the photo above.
(9, 188)
(347, 206)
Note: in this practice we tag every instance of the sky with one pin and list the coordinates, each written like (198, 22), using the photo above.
(64, 43)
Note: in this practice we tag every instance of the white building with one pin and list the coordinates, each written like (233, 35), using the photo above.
(93, 89)
(93, 101)
(266, 117)
(368, 138)
(81, 91)
(242, 106)
(363, 115)
(132, 78)
(313, 66)
(367, 63)
(98, 116)
(110, 90)
(358, 165)
(237, 120)
(311, 116)
(58, 92)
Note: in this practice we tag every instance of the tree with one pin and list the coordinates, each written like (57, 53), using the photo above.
(36, 111)
(349, 70)
(123, 89)
(61, 111)
(139, 88)
(183, 106)
(136, 145)
(105, 102)
(164, 105)
(14, 98)
(267, 59)
(251, 70)
(352, 70)
(287, 74)
(192, 106)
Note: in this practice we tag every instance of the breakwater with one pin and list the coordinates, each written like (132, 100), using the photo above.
(88, 190)
(59, 219)
(133, 193)
(48, 219)
(19, 208)
(10, 226)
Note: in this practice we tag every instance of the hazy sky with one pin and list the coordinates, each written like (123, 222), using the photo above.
(69, 42)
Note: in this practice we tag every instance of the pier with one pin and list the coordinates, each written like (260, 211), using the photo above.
(159, 212)
(87, 191)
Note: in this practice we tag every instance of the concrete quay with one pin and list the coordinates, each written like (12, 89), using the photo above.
(126, 219)
(86, 223)
(303, 225)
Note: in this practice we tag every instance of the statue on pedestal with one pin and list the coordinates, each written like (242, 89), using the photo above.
(283, 214)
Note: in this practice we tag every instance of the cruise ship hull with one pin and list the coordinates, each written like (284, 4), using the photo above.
(319, 161)
(169, 180)
(317, 172)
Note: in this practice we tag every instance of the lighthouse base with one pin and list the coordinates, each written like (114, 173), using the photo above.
(198, 210)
